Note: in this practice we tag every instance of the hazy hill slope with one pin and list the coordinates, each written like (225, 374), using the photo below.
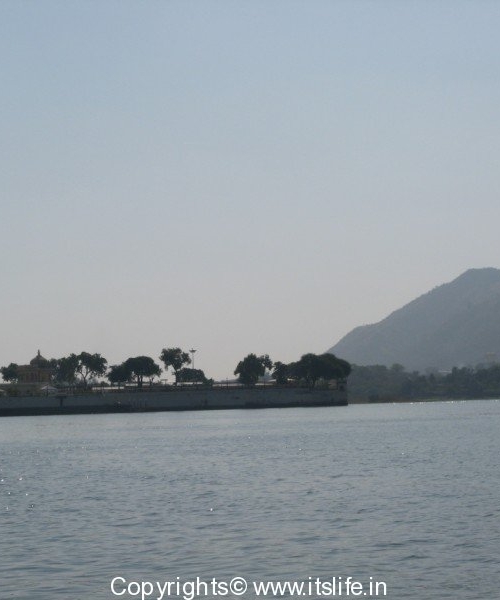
(455, 324)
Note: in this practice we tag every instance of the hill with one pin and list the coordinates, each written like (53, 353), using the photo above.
(455, 324)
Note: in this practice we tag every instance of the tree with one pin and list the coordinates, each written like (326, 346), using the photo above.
(175, 358)
(191, 375)
(266, 361)
(65, 369)
(333, 367)
(10, 373)
(312, 367)
(90, 365)
(119, 373)
(307, 368)
(252, 367)
(140, 367)
(281, 373)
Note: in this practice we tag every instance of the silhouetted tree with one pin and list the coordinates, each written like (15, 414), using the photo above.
(64, 369)
(119, 374)
(312, 367)
(191, 375)
(90, 365)
(175, 358)
(10, 373)
(281, 372)
(252, 367)
(140, 367)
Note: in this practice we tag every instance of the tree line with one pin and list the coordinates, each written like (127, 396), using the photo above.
(380, 383)
(310, 369)
(84, 368)
(81, 369)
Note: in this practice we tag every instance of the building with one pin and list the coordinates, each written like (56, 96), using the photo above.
(38, 371)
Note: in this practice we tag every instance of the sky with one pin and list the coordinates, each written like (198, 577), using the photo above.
(235, 177)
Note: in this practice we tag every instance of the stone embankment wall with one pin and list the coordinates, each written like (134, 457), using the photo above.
(181, 399)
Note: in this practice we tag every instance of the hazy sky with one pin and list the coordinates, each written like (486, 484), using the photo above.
(252, 176)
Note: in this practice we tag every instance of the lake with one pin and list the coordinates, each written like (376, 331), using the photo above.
(404, 494)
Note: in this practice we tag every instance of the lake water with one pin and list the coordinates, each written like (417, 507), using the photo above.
(407, 494)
